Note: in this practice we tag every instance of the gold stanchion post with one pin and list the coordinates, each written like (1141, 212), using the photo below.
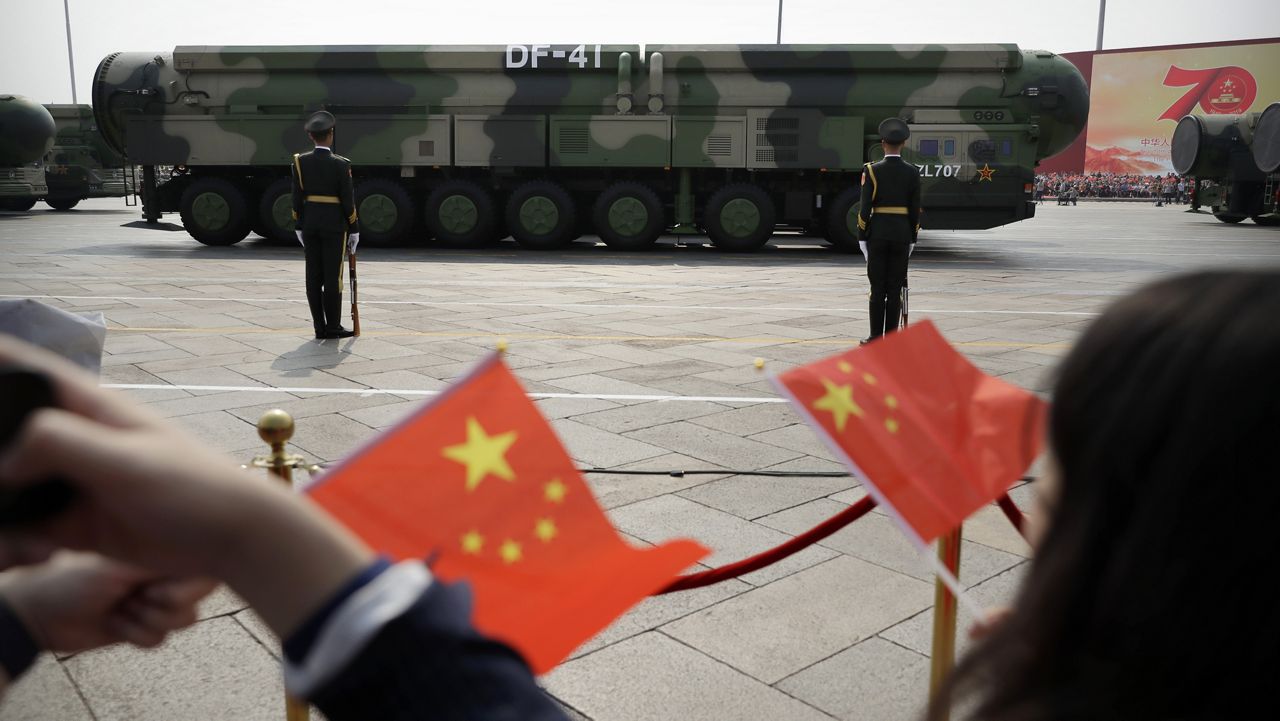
(943, 656)
(275, 427)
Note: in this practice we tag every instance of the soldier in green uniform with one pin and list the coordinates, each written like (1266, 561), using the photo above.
(888, 223)
(324, 214)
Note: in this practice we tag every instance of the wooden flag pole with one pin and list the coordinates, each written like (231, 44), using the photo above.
(276, 428)
(943, 655)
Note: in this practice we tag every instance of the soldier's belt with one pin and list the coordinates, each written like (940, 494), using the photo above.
(333, 199)
(889, 210)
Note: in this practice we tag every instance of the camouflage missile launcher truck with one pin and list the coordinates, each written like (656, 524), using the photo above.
(545, 142)
(26, 134)
(1235, 160)
(81, 165)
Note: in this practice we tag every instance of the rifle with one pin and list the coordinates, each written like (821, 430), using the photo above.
(906, 294)
(355, 312)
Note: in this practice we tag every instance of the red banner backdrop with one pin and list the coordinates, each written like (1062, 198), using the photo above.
(1139, 94)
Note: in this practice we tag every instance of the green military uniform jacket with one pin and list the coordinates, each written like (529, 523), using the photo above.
(890, 187)
(323, 193)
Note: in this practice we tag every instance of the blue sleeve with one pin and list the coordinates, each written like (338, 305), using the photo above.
(430, 662)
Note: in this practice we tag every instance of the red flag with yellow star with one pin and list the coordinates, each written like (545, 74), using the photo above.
(478, 481)
(934, 438)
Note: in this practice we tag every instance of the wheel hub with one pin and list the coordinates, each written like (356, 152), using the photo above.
(211, 211)
(378, 213)
(740, 217)
(628, 216)
(282, 212)
(539, 215)
(458, 214)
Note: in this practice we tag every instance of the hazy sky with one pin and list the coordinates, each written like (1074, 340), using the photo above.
(33, 49)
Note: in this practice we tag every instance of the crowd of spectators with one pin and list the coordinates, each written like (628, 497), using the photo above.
(1070, 187)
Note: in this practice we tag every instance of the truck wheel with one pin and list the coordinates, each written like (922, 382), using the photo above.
(628, 216)
(385, 208)
(61, 203)
(461, 213)
(214, 211)
(740, 218)
(17, 205)
(842, 220)
(1229, 217)
(275, 211)
(540, 214)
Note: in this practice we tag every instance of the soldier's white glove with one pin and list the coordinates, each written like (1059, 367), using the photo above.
(352, 241)
(862, 246)
(911, 249)
(299, 234)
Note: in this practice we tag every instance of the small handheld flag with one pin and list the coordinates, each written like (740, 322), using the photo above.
(478, 481)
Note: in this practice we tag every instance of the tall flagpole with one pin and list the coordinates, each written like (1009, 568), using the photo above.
(1102, 20)
(71, 60)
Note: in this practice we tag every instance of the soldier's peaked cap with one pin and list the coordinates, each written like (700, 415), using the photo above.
(321, 122)
(894, 130)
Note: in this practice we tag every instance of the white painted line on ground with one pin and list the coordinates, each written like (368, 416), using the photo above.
(626, 306)
(397, 392)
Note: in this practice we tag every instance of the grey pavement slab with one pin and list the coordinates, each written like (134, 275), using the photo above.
(654, 678)
(750, 420)
(44, 693)
(594, 447)
(387, 414)
(752, 497)
(220, 430)
(646, 415)
(872, 681)
(774, 631)
(215, 669)
(619, 489)
(916, 633)
(330, 437)
(657, 610)
(722, 449)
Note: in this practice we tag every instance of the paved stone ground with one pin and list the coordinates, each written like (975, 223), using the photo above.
(213, 336)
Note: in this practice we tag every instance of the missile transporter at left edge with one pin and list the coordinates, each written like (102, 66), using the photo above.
(466, 144)
(26, 134)
(81, 165)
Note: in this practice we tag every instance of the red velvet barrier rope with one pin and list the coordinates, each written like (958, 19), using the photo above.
(775, 554)
(1012, 513)
(803, 541)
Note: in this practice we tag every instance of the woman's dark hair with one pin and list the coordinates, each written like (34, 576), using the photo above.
(1147, 596)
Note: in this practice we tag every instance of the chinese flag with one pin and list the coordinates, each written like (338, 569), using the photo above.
(934, 437)
(478, 481)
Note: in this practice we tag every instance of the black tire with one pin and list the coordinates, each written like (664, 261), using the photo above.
(628, 216)
(740, 218)
(461, 214)
(1229, 217)
(541, 215)
(1266, 220)
(17, 205)
(215, 212)
(842, 220)
(386, 210)
(275, 211)
(62, 203)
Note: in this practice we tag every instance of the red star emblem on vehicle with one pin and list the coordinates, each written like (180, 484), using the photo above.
(986, 172)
